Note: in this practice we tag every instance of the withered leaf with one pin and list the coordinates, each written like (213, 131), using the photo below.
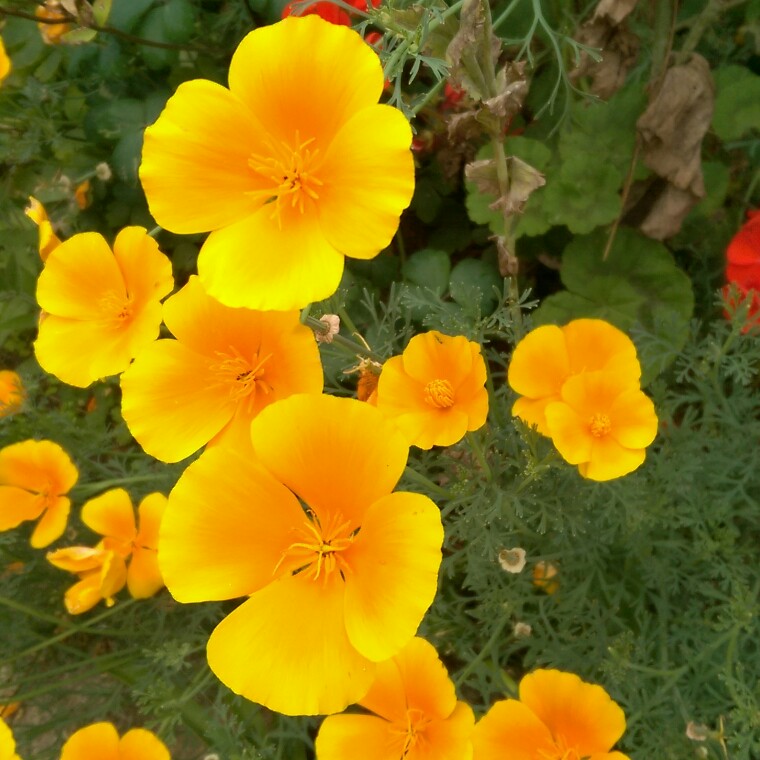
(523, 180)
(614, 11)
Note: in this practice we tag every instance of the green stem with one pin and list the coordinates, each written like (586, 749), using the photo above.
(89, 488)
(480, 455)
(425, 482)
(350, 345)
(31, 612)
(429, 95)
(154, 232)
(461, 677)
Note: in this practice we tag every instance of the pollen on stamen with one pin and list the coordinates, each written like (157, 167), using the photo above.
(599, 425)
(439, 393)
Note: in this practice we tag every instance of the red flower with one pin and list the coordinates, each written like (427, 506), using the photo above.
(743, 267)
(328, 11)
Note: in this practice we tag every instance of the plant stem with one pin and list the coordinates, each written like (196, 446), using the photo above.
(425, 482)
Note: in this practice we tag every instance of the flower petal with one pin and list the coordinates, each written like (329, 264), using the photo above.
(511, 729)
(342, 737)
(296, 439)
(450, 739)
(394, 563)
(147, 272)
(143, 574)
(433, 355)
(83, 595)
(38, 466)
(540, 363)
(100, 740)
(569, 432)
(78, 275)
(18, 505)
(634, 421)
(309, 666)
(594, 344)
(111, 514)
(199, 147)
(290, 264)
(150, 511)
(368, 181)
(76, 559)
(610, 460)
(139, 744)
(581, 714)
(225, 527)
(52, 524)
(533, 411)
(305, 75)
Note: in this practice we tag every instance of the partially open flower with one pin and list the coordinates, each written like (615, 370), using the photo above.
(545, 577)
(435, 391)
(12, 393)
(415, 714)
(100, 741)
(48, 240)
(35, 477)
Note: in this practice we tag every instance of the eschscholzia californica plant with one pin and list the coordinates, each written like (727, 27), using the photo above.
(338, 570)
(35, 477)
(7, 743)
(224, 367)
(292, 168)
(101, 741)
(5, 62)
(12, 393)
(435, 391)
(101, 575)
(743, 265)
(415, 714)
(557, 717)
(101, 307)
(48, 240)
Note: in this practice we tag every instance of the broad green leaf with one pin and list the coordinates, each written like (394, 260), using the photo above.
(474, 283)
(429, 268)
(101, 10)
(638, 288)
(737, 102)
(126, 14)
(79, 36)
(716, 176)
(179, 20)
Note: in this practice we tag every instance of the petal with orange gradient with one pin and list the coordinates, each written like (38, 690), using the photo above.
(233, 548)
(141, 744)
(594, 344)
(37, 466)
(100, 740)
(377, 175)
(394, 562)
(449, 739)
(610, 460)
(533, 411)
(111, 514)
(271, 260)
(309, 667)
(146, 272)
(511, 729)
(296, 439)
(52, 524)
(344, 737)
(569, 432)
(540, 363)
(150, 512)
(434, 355)
(18, 505)
(143, 574)
(327, 75)
(84, 594)
(76, 559)
(634, 421)
(579, 714)
(201, 144)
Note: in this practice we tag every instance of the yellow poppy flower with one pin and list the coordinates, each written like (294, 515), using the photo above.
(112, 516)
(5, 62)
(102, 307)
(602, 424)
(100, 741)
(338, 570)
(293, 167)
(52, 10)
(416, 714)
(225, 366)
(48, 240)
(557, 717)
(34, 478)
(435, 391)
(102, 574)
(547, 356)
(7, 743)
(12, 393)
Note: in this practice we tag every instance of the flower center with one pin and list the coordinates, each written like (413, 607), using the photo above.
(243, 377)
(318, 549)
(411, 732)
(291, 168)
(116, 308)
(599, 425)
(439, 394)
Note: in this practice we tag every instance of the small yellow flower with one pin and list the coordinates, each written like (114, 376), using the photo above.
(545, 577)
(48, 240)
(35, 477)
(12, 393)
(435, 391)
(557, 717)
(52, 10)
(5, 62)
(7, 743)
(100, 741)
(102, 307)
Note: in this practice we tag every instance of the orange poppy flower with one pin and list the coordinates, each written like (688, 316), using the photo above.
(547, 356)
(102, 307)
(602, 424)
(296, 156)
(416, 714)
(557, 717)
(48, 240)
(435, 391)
(12, 393)
(338, 570)
(35, 477)
(102, 574)
(82, 194)
(100, 741)
(545, 577)
(7, 743)
(224, 368)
